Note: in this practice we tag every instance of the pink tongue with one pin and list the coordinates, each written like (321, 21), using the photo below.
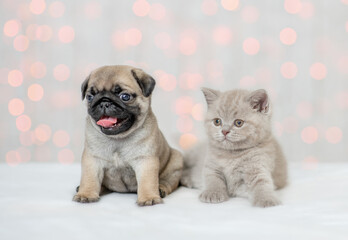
(107, 122)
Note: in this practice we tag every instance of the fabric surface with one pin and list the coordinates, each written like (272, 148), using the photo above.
(35, 203)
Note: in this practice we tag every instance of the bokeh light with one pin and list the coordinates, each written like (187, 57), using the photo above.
(133, 36)
(247, 81)
(56, 9)
(307, 10)
(190, 81)
(333, 135)
(16, 106)
(23, 123)
(288, 36)
(279, 129)
(66, 156)
(184, 124)
(15, 78)
(27, 138)
(288, 70)
(93, 10)
(21, 43)
(43, 153)
(65, 99)
(66, 34)
(250, 14)
(37, 6)
(61, 72)
(341, 99)
(11, 28)
(292, 6)
(318, 71)
(304, 110)
(309, 135)
(183, 105)
(209, 7)
(187, 141)
(290, 125)
(43, 132)
(222, 35)
(35, 92)
(344, 2)
(38, 70)
(141, 8)
(157, 11)
(43, 33)
(166, 81)
(61, 138)
(197, 112)
(343, 64)
(24, 154)
(187, 46)
(13, 158)
(251, 46)
(118, 40)
(163, 40)
(230, 5)
(31, 31)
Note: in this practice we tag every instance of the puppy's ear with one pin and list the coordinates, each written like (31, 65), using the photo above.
(259, 101)
(84, 87)
(145, 81)
(210, 95)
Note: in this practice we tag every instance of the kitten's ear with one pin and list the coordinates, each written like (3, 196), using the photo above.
(210, 95)
(259, 100)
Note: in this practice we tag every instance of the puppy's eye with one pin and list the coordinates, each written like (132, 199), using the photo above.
(89, 97)
(238, 122)
(217, 121)
(125, 97)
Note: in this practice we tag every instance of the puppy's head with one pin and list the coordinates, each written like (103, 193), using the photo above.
(118, 98)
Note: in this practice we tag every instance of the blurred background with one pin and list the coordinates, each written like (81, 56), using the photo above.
(296, 49)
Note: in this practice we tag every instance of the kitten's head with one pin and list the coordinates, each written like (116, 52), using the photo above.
(237, 119)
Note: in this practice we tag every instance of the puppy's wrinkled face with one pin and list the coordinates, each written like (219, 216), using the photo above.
(118, 98)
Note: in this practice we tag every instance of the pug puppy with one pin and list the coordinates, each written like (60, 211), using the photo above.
(124, 149)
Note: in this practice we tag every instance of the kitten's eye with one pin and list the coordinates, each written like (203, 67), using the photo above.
(217, 121)
(89, 97)
(125, 97)
(238, 122)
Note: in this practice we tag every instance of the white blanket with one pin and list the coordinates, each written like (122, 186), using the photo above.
(35, 203)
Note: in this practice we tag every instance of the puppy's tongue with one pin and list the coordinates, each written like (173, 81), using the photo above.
(107, 122)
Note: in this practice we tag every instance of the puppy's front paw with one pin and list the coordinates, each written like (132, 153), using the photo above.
(266, 202)
(149, 201)
(213, 196)
(163, 191)
(84, 198)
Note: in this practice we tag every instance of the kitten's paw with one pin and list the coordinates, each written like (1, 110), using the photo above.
(149, 201)
(213, 196)
(186, 181)
(84, 198)
(267, 202)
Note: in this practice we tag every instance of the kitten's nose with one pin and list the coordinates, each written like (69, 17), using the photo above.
(224, 132)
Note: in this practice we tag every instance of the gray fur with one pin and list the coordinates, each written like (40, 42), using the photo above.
(249, 162)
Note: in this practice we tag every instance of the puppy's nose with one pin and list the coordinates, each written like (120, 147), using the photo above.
(104, 105)
(224, 132)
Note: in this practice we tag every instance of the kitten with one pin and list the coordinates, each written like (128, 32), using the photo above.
(241, 155)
